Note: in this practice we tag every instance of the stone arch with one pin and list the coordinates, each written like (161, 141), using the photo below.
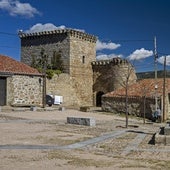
(99, 98)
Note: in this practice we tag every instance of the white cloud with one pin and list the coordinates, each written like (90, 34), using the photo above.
(107, 57)
(81, 30)
(109, 46)
(15, 7)
(140, 54)
(47, 27)
(44, 27)
(161, 60)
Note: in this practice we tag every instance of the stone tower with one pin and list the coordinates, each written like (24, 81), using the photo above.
(109, 75)
(77, 49)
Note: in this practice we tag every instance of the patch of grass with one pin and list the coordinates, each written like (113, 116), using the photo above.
(122, 115)
(20, 158)
(89, 162)
(59, 141)
(77, 161)
(164, 164)
(6, 117)
(146, 163)
(15, 157)
(59, 155)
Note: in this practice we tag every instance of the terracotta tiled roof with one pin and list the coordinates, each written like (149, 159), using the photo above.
(9, 65)
(145, 87)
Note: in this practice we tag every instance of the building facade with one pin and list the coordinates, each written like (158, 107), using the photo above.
(20, 85)
(77, 50)
(84, 80)
(141, 98)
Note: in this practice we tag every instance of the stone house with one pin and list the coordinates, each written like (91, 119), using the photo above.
(84, 80)
(20, 85)
(140, 94)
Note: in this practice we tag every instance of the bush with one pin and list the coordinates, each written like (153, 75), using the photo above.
(50, 73)
(84, 108)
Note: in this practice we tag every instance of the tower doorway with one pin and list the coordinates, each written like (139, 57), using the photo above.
(99, 98)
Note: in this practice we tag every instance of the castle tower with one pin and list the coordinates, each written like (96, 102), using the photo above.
(109, 75)
(77, 50)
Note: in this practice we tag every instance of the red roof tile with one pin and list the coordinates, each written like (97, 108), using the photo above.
(9, 65)
(145, 87)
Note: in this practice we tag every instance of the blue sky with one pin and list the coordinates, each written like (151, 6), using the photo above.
(125, 28)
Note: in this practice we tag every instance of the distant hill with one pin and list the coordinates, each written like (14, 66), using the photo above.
(151, 74)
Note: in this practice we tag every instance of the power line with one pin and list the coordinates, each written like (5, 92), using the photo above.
(133, 40)
(163, 53)
(120, 40)
(4, 46)
(7, 33)
(126, 40)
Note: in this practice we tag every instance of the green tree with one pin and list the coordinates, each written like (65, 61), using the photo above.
(43, 60)
(33, 62)
(43, 65)
(56, 62)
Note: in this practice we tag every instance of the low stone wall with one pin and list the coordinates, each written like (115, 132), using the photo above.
(162, 139)
(74, 91)
(135, 105)
(163, 136)
(81, 121)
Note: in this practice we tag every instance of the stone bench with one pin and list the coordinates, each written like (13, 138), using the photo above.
(163, 137)
(82, 121)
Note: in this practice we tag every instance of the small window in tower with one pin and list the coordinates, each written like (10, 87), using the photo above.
(83, 59)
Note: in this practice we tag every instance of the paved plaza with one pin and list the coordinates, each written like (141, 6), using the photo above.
(44, 140)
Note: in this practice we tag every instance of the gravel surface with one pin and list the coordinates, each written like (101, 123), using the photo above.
(43, 140)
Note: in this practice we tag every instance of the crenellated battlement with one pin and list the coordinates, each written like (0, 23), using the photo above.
(113, 61)
(69, 32)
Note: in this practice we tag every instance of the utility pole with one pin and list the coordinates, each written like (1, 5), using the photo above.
(44, 68)
(164, 89)
(155, 63)
(44, 89)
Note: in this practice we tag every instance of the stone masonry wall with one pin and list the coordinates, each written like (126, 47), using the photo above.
(76, 87)
(61, 85)
(82, 53)
(102, 81)
(32, 46)
(77, 51)
(135, 105)
(24, 90)
(109, 75)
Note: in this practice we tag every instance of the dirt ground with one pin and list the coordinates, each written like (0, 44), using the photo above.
(34, 140)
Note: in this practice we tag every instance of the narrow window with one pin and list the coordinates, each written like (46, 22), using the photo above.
(83, 59)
